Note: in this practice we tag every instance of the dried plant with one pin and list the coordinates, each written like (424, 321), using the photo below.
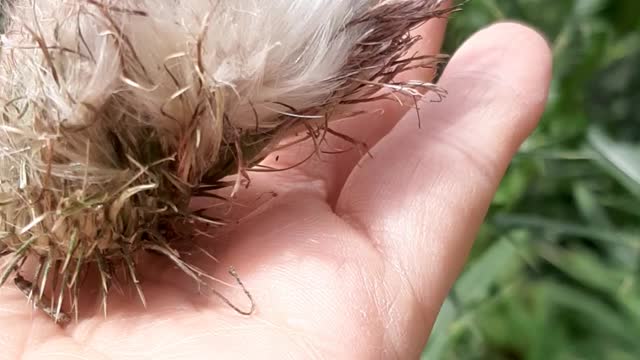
(115, 113)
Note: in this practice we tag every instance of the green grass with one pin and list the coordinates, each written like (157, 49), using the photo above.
(554, 273)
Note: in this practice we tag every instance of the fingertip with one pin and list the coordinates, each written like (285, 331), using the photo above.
(505, 69)
(509, 52)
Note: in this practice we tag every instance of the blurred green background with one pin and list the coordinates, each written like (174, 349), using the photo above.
(554, 273)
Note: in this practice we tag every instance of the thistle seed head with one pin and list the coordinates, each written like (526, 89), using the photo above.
(113, 114)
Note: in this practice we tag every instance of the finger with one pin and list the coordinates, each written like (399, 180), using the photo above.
(333, 169)
(423, 196)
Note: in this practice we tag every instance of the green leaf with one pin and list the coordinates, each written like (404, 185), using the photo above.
(555, 227)
(484, 273)
(585, 267)
(592, 313)
(620, 160)
(589, 206)
(440, 336)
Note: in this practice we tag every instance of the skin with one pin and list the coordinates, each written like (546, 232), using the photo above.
(354, 256)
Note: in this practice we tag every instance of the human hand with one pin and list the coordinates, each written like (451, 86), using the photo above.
(347, 262)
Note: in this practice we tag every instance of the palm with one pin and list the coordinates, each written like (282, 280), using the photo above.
(346, 262)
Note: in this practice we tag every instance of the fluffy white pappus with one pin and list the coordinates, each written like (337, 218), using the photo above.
(190, 69)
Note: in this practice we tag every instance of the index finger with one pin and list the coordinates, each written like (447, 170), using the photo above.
(424, 195)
